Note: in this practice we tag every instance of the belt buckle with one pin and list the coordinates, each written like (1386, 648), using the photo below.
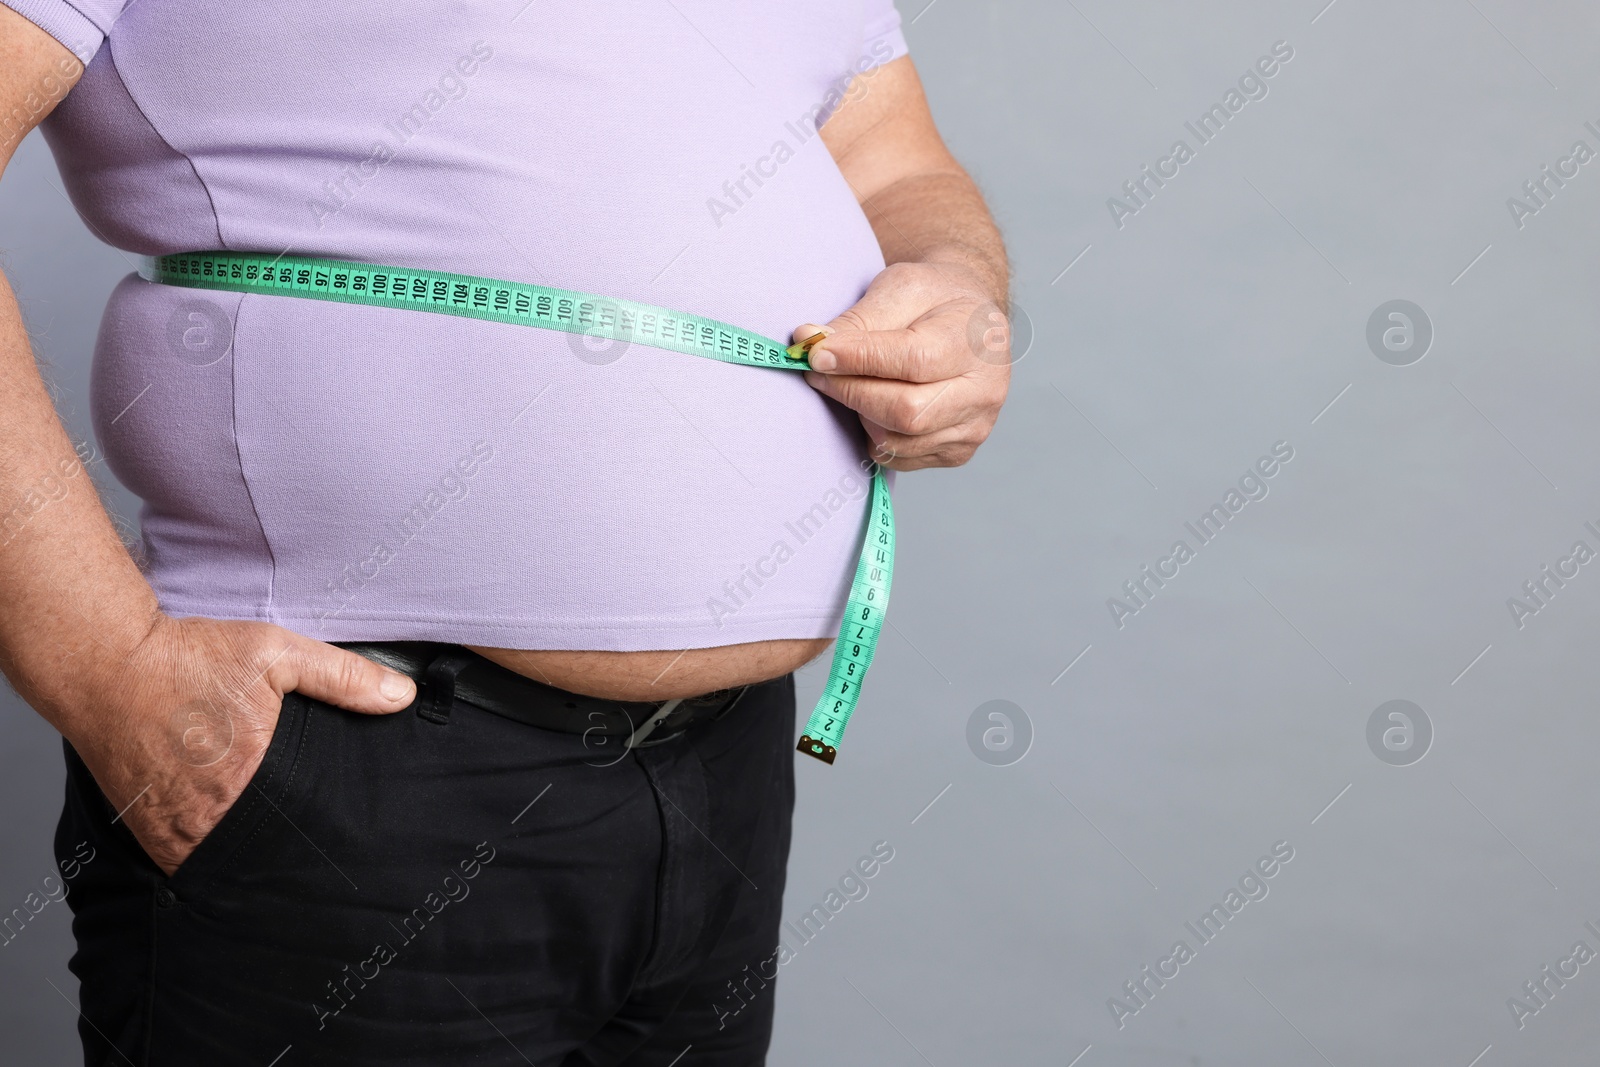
(645, 734)
(642, 734)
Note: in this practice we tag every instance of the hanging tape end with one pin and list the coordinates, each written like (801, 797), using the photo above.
(812, 747)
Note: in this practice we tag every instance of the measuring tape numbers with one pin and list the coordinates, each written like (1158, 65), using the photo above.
(597, 316)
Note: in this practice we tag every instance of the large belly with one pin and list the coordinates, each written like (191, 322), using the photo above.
(414, 476)
(658, 675)
(361, 473)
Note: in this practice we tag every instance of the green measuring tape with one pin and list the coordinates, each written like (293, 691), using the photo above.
(596, 316)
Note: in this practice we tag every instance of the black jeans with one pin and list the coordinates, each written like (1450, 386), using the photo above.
(394, 890)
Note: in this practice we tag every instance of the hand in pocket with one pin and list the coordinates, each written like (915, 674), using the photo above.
(181, 726)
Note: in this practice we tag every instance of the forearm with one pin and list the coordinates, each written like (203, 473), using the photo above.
(73, 599)
(924, 356)
(940, 217)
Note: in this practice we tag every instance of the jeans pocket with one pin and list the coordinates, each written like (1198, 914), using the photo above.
(258, 805)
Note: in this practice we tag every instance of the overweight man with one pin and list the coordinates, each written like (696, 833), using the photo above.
(444, 711)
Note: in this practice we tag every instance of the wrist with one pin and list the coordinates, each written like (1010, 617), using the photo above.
(70, 680)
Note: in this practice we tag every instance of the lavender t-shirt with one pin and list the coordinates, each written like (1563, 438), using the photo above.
(363, 473)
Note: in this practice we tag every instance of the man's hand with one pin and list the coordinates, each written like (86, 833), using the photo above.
(924, 358)
(180, 727)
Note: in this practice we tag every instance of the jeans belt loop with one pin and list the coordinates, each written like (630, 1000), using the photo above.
(438, 689)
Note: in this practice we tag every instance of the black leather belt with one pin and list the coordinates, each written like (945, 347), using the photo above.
(446, 672)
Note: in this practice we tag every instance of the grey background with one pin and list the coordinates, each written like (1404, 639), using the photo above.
(1229, 713)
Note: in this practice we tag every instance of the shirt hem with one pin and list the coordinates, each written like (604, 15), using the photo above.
(890, 31)
(597, 635)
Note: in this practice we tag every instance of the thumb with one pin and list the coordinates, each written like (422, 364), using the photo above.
(871, 337)
(340, 677)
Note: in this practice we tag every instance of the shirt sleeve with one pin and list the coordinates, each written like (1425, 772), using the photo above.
(884, 40)
(80, 25)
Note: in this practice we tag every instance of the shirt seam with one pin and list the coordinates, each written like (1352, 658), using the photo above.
(238, 307)
(238, 452)
(216, 218)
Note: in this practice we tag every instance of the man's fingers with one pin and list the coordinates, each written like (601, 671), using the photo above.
(898, 406)
(921, 354)
(949, 447)
(922, 357)
(904, 326)
(338, 676)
